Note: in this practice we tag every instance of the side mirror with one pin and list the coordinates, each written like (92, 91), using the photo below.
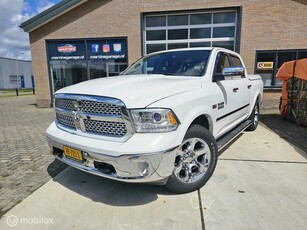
(233, 71)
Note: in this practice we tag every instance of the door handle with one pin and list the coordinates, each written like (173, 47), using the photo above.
(235, 89)
(249, 86)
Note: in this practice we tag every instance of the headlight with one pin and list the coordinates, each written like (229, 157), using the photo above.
(154, 120)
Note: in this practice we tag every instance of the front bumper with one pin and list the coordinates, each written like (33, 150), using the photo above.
(136, 167)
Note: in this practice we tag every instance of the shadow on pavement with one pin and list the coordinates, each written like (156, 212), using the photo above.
(292, 133)
(108, 191)
(55, 168)
(229, 144)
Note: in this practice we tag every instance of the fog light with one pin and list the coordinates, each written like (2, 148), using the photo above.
(143, 168)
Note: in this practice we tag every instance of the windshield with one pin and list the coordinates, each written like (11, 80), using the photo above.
(179, 63)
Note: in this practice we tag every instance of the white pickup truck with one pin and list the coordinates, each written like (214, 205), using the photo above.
(163, 121)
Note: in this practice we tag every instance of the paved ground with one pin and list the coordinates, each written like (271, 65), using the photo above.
(259, 183)
(25, 162)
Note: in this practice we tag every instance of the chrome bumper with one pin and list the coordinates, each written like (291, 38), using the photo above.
(135, 168)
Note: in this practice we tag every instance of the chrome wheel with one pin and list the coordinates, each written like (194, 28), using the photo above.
(254, 118)
(192, 160)
(256, 115)
(195, 161)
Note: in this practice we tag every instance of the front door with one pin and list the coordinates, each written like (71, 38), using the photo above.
(235, 101)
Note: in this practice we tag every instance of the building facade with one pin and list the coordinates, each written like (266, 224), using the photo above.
(78, 40)
(16, 74)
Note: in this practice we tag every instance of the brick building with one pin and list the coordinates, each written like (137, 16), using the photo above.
(77, 40)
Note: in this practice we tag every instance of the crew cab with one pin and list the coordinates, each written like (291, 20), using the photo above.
(162, 121)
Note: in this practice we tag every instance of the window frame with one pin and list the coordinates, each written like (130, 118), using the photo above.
(218, 76)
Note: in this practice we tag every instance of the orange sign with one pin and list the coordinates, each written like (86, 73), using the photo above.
(265, 65)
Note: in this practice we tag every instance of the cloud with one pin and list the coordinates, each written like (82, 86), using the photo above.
(14, 42)
(43, 5)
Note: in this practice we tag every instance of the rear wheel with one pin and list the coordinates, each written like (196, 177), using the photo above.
(195, 161)
(254, 117)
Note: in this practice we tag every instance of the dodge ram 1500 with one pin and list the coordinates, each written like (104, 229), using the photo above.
(162, 121)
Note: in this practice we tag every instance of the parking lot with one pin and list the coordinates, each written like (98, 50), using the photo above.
(259, 183)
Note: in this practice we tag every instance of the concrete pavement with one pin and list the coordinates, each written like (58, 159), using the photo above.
(259, 183)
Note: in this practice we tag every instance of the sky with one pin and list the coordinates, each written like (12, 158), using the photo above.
(14, 42)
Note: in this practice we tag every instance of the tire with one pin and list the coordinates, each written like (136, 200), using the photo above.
(195, 161)
(254, 117)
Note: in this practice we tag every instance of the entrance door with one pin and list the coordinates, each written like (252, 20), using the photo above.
(65, 73)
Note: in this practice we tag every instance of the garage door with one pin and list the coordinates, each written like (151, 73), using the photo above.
(183, 30)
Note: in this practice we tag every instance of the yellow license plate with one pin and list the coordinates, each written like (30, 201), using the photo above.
(73, 153)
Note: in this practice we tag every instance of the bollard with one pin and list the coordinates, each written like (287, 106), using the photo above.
(16, 92)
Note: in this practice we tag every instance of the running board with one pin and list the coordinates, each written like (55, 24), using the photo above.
(228, 137)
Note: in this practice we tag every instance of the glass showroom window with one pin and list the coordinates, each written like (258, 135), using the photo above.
(74, 61)
(65, 73)
(201, 29)
(268, 62)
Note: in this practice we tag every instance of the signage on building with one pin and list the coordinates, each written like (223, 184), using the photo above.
(67, 48)
(107, 49)
(72, 50)
(96, 49)
(265, 65)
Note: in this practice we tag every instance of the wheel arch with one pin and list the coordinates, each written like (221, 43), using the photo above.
(258, 97)
(202, 118)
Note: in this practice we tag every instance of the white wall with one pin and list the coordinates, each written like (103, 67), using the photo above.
(9, 67)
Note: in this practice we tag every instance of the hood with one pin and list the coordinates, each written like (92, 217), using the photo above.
(136, 91)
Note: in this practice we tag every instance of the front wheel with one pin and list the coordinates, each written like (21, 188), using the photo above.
(195, 161)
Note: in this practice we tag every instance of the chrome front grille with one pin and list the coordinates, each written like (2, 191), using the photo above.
(64, 103)
(65, 120)
(105, 127)
(92, 115)
(94, 107)
(99, 108)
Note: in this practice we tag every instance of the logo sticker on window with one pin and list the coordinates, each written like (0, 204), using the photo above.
(95, 48)
(66, 48)
(117, 47)
(106, 48)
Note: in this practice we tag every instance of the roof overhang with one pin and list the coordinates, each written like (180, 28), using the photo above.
(61, 8)
(50, 14)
